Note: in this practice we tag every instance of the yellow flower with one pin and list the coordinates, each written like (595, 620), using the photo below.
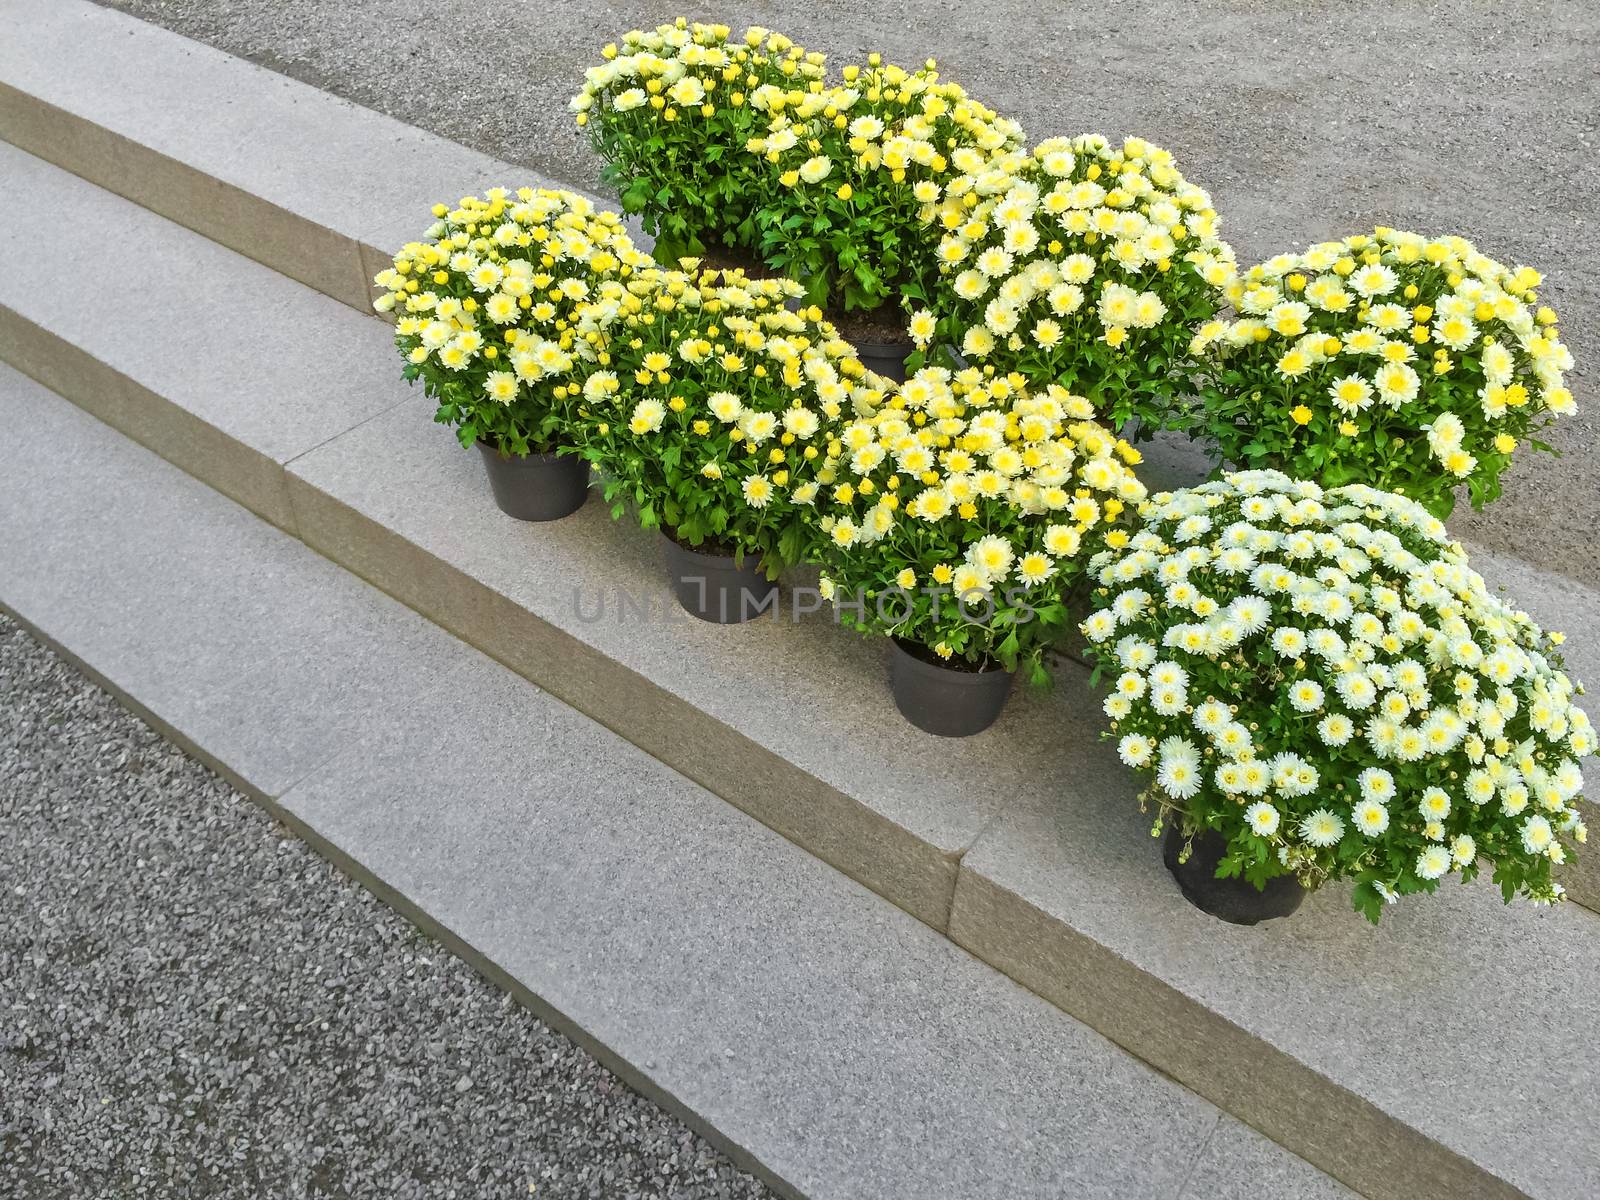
(845, 191)
(1301, 414)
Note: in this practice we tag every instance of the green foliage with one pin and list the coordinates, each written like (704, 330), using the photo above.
(726, 402)
(852, 169)
(1082, 264)
(1409, 364)
(503, 312)
(670, 115)
(955, 513)
(1321, 679)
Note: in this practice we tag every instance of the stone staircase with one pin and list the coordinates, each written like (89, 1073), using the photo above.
(455, 707)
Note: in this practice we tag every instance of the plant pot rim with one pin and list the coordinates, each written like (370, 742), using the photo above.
(538, 456)
(751, 557)
(955, 675)
(1234, 900)
(905, 345)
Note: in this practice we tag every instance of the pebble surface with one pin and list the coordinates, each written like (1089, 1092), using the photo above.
(193, 1003)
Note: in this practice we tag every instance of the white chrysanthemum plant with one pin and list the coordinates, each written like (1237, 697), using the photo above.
(954, 513)
(1084, 264)
(669, 112)
(853, 169)
(714, 420)
(504, 311)
(1411, 364)
(1320, 679)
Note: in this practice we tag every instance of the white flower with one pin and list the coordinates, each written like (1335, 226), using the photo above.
(1099, 625)
(1130, 684)
(1135, 654)
(1252, 613)
(1376, 784)
(1335, 729)
(816, 169)
(1179, 772)
(1168, 674)
(1306, 696)
(1289, 641)
(1135, 750)
(1371, 817)
(757, 490)
(725, 406)
(1433, 862)
(1321, 828)
(1434, 805)
(1211, 716)
(647, 416)
(1168, 699)
(1537, 836)
(1263, 818)
(1373, 280)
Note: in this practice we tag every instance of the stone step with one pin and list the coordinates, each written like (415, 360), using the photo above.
(822, 1036)
(792, 723)
(276, 169)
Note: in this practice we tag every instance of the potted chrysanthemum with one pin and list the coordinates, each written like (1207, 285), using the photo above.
(669, 112)
(1319, 687)
(728, 402)
(853, 170)
(951, 518)
(503, 312)
(1411, 364)
(1084, 264)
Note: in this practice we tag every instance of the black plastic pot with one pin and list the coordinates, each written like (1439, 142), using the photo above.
(1234, 900)
(715, 588)
(536, 487)
(946, 700)
(886, 358)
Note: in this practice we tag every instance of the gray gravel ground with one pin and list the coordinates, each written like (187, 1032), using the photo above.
(192, 1003)
(1306, 119)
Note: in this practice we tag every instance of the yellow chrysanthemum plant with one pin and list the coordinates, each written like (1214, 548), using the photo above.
(852, 170)
(953, 515)
(669, 111)
(1084, 264)
(1318, 685)
(503, 310)
(1411, 364)
(726, 402)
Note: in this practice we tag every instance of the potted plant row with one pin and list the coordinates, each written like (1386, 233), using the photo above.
(1314, 682)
